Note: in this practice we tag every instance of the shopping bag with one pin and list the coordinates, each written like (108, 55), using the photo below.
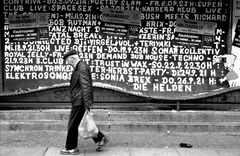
(87, 128)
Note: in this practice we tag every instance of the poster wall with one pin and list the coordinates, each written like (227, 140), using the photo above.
(155, 49)
(235, 54)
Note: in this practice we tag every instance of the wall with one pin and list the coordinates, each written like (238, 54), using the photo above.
(1, 63)
(58, 97)
(126, 54)
(235, 37)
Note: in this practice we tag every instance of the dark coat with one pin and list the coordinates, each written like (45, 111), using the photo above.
(81, 90)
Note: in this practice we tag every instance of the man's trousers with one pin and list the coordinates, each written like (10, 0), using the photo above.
(75, 118)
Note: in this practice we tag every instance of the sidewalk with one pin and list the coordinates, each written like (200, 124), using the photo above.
(49, 143)
(120, 151)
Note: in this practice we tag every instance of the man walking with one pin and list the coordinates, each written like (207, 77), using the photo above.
(81, 95)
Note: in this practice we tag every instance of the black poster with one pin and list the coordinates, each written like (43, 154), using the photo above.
(156, 49)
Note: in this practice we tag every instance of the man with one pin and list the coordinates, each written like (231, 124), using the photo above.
(81, 95)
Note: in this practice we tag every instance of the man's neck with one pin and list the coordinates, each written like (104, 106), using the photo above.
(75, 65)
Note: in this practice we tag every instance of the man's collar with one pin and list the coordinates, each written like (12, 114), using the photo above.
(76, 66)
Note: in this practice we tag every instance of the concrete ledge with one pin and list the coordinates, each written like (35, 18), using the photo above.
(126, 126)
(106, 115)
(109, 120)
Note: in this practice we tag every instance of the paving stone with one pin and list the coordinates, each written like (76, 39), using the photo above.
(196, 152)
(22, 151)
(108, 151)
(54, 151)
(153, 152)
(228, 152)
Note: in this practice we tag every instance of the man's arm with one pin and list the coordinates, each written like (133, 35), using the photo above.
(86, 84)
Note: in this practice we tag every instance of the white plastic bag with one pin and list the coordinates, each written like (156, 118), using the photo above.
(87, 128)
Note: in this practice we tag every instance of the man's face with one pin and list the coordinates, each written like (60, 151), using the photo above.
(71, 59)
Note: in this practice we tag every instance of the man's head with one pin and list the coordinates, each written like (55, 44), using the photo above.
(71, 57)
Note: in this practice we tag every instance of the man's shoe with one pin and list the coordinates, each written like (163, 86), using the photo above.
(102, 143)
(70, 152)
